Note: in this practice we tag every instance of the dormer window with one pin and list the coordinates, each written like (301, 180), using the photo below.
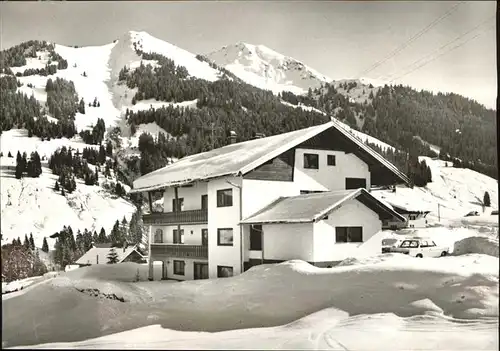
(311, 161)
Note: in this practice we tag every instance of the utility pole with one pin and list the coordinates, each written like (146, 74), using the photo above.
(439, 212)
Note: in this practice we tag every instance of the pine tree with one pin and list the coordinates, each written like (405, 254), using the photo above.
(81, 106)
(109, 149)
(115, 234)
(9, 155)
(32, 242)
(486, 199)
(19, 166)
(112, 256)
(26, 243)
(102, 236)
(102, 155)
(45, 245)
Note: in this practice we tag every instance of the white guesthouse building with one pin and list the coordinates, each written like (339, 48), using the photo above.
(299, 195)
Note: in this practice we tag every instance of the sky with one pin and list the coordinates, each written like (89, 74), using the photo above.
(342, 40)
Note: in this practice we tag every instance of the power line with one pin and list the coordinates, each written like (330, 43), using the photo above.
(435, 58)
(445, 45)
(412, 39)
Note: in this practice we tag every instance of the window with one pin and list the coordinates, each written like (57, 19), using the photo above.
(412, 217)
(204, 202)
(158, 236)
(179, 267)
(256, 237)
(349, 234)
(225, 198)
(355, 183)
(224, 271)
(178, 238)
(177, 205)
(311, 161)
(330, 160)
(225, 236)
(204, 237)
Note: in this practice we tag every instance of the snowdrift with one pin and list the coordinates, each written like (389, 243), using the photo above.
(123, 272)
(329, 329)
(460, 287)
(477, 245)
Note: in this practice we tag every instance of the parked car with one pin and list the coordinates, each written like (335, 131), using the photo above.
(389, 243)
(472, 213)
(494, 213)
(420, 247)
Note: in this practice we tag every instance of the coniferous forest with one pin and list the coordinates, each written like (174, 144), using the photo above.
(400, 116)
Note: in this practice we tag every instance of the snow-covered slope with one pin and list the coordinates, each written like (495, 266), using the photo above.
(457, 191)
(88, 69)
(267, 69)
(147, 43)
(30, 205)
(15, 140)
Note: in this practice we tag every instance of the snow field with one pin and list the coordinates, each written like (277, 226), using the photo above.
(292, 305)
(30, 205)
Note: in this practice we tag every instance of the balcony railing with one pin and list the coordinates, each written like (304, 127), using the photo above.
(180, 250)
(181, 217)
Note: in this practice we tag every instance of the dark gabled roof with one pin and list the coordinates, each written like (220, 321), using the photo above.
(308, 208)
(241, 158)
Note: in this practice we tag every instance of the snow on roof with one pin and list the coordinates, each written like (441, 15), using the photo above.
(240, 158)
(401, 201)
(230, 159)
(311, 207)
(90, 257)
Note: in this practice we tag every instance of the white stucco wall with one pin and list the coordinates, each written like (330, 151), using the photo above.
(329, 177)
(224, 217)
(288, 241)
(191, 196)
(351, 214)
(260, 193)
(188, 268)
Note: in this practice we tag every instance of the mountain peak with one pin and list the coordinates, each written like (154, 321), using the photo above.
(265, 68)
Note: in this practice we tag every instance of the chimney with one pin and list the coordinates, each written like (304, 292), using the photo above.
(232, 137)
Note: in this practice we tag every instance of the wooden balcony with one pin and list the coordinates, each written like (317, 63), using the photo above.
(172, 218)
(180, 250)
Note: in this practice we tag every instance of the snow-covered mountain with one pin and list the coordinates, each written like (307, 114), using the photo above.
(267, 69)
(30, 205)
